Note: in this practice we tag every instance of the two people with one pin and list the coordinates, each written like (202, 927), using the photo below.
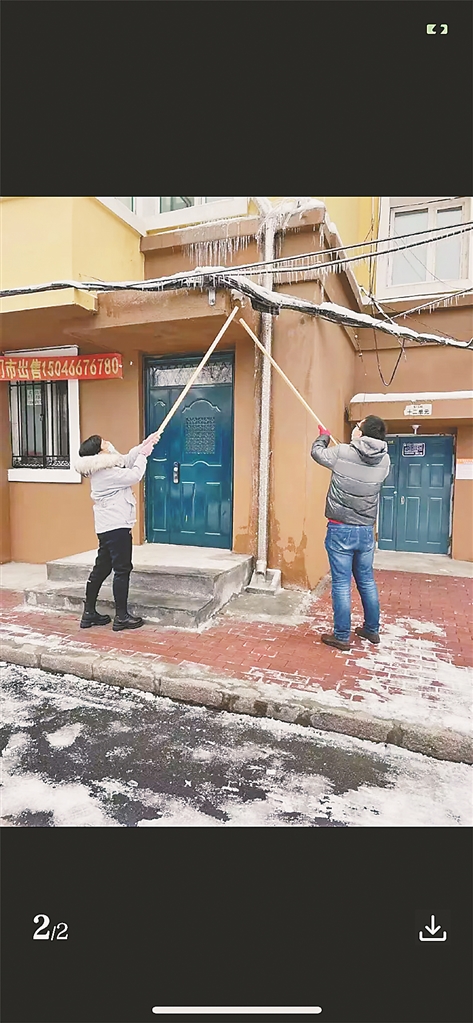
(358, 472)
(112, 476)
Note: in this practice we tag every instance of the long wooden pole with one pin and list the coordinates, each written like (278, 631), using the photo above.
(283, 375)
(195, 374)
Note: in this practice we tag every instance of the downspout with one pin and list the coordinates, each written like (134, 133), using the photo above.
(260, 578)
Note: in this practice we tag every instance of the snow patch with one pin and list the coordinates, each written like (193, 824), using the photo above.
(72, 805)
(64, 736)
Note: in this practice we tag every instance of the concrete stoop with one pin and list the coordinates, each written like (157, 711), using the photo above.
(180, 587)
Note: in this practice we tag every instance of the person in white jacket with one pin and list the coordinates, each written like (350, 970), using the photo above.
(112, 476)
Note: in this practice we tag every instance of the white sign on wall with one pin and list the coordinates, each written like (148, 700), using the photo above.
(418, 410)
(464, 469)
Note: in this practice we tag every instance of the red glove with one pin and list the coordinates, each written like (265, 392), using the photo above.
(147, 446)
(322, 431)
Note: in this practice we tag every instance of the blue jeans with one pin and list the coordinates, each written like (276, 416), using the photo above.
(351, 549)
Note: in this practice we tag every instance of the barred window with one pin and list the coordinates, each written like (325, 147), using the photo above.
(39, 417)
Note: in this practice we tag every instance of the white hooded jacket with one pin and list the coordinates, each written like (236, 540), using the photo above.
(111, 479)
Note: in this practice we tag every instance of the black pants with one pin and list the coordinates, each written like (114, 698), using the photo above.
(115, 548)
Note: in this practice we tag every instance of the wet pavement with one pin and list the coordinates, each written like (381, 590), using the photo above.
(413, 690)
(84, 754)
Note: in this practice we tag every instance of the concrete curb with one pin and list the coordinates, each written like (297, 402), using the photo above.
(191, 683)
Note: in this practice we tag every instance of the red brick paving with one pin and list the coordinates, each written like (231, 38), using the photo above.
(290, 655)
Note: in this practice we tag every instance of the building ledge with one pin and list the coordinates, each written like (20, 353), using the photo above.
(448, 406)
(67, 297)
(400, 305)
(218, 229)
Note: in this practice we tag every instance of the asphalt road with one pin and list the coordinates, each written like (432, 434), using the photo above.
(83, 754)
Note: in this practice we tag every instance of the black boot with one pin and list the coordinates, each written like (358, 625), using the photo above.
(92, 617)
(364, 634)
(124, 620)
(330, 640)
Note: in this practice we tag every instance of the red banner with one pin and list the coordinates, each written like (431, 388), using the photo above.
(72, 367)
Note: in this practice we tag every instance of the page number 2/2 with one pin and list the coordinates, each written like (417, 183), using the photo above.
(42, 933)
(436, 30)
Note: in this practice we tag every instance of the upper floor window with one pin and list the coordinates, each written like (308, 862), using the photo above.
(432, 266)
(128, 201)
(151, 205)
(147, 213)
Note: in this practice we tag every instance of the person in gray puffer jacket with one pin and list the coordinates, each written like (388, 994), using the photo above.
(358, 472)
(112, 476)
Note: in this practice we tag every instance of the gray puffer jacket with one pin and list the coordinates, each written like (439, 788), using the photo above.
(112, 477)
(358, 471)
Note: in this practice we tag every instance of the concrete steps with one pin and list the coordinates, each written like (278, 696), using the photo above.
(180, 588)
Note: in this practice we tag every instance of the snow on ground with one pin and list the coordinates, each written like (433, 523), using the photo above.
(174, 762)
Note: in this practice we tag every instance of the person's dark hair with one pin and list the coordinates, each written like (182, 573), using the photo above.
(91, 446)
(375, 427)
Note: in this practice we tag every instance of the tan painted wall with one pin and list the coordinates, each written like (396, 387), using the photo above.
(52, 520)
(423, 369)
(437, 369)
(462, 537)
(308, 351)
(318, 358)
(5, 462)
(246, 421)
(162, 262)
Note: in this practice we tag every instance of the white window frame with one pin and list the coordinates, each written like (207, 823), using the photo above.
(388, 207)
(55, 475)
(199, 213)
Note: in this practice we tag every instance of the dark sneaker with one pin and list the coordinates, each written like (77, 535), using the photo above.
(332, 640)
(127, 622)
(372, 636)
(90, 618)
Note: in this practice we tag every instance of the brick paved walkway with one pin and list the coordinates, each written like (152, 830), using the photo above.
(421, 663)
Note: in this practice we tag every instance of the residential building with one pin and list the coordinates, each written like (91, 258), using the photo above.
(203, 485)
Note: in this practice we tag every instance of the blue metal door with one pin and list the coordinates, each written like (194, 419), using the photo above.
(190, 472)
(414, 512)
(387, 501)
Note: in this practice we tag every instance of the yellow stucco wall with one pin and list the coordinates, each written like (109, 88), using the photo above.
(105, 247)
(35, 239)
(48, 238)
(355, 217)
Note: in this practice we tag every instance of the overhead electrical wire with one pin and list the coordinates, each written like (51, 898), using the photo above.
(262, 300)
(386, 312)
(458, 229)
(386, 383)
(433, 303)
(348, 259)
(218, 271)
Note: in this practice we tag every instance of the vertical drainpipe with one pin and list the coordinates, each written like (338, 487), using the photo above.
(265, 209)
